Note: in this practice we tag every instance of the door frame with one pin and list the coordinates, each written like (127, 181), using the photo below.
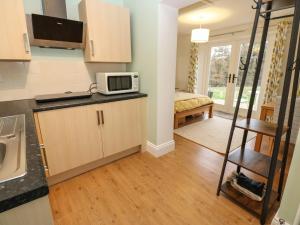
(228, 97)
(234, 67)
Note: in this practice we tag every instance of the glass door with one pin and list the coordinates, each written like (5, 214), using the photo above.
(219, 75)
(224, 76)
(243, 49)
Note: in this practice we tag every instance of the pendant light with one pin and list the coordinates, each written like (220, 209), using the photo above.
(200, 35)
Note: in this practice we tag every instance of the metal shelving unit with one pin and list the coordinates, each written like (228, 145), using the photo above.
(248, 159)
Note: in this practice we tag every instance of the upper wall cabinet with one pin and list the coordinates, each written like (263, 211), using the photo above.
(108, 31)
(14, 43)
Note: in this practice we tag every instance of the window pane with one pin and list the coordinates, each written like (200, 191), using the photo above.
(250, 77)
(219, 67)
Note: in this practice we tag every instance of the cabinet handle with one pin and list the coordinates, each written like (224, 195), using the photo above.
(92, 47)
(98, 117)
(26, 43)
(43, 150)
(102, 116)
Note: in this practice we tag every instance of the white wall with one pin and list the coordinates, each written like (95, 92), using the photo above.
(183, 63)
(154, 36)
(291, 196)
(183, 59)
(46, 75)
(297, 219)
(144, 22)
(183, 54)
(166, 70)
(50, 70)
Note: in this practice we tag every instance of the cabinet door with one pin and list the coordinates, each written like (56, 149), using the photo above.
(122, 125)
(71, 137)
(14, 43)
(108, 31)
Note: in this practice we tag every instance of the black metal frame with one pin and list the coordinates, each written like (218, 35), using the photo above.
(284, 100)
(245, 69)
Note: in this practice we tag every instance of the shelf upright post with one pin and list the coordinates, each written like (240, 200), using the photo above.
(282, 111)
(257, 71)
(251, 44)
(290, 122)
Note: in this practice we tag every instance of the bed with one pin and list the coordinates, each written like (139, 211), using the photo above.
(188, 104)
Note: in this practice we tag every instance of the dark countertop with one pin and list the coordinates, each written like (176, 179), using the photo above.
(34, 184)
(95, 99)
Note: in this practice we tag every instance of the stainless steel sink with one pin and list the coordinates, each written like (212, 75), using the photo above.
(12, 147)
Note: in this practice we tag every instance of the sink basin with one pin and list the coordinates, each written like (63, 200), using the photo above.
(12, 147)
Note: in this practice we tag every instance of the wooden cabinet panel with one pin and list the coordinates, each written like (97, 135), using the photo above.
(14, 43)
(122, 125)
(77, 136)
(108, 31)
(71, 137)
(34, 212)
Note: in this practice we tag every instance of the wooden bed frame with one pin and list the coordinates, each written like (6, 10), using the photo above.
(199, 110)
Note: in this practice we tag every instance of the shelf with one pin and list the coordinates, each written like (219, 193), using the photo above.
(259, 126)
(280, 5)
(253, 161)
(250, 205)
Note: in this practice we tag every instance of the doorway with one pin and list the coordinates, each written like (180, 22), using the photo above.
(224, 75)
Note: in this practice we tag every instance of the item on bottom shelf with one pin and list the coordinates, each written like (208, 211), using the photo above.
(251, 185)
(247, 186)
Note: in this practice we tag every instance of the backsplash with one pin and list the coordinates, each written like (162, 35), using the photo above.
(49, 71)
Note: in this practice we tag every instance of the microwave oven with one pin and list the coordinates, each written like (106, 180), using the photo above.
(117, 83)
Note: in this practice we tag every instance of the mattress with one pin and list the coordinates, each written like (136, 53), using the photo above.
(187, 101)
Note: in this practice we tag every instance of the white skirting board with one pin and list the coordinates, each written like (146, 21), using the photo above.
(162, 149)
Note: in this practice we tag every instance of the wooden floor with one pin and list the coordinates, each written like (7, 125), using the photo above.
(176, 189)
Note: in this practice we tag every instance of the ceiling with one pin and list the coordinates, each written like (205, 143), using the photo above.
(215, 14)
(179, 3)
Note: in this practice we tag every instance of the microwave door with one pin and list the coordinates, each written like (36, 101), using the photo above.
(126, 83)
(119, 83)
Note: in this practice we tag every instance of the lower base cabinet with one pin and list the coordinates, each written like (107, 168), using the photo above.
(70, 138)
(36, 212)
(122, 125)
(75, 136)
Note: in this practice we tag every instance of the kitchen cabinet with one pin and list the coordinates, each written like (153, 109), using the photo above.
(108, 37)
(121, 125)
(35, 212)
(14, 43)
(79, 136)
(70, 138)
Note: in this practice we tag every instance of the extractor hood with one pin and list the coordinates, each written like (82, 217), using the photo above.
(53, 29)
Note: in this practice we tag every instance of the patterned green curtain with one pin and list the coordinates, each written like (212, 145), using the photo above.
(194, 62)
(276, 72)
